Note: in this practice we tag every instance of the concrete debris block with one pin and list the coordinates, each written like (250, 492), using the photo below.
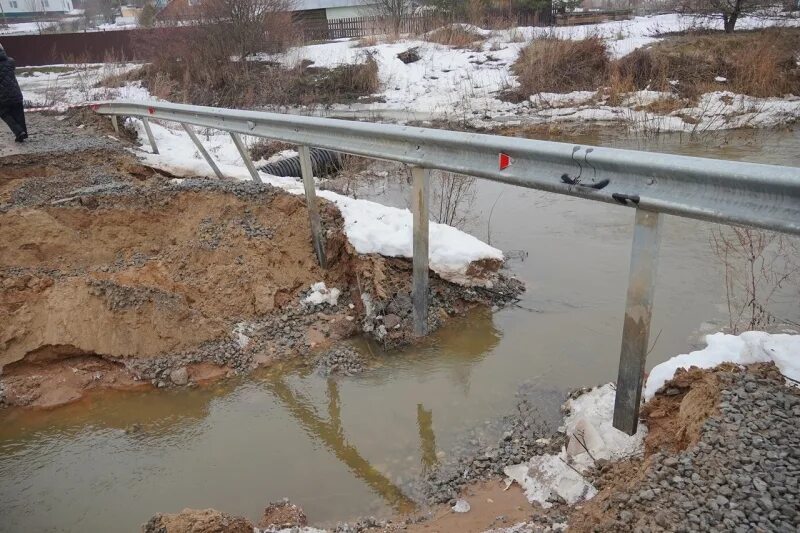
(391, 321)
(461, 506)
(179, 376)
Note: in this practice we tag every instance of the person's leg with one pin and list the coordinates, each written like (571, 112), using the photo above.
(8, 117)
(19, 117)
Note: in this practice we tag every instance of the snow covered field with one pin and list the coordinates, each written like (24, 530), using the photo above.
(61, 86)
(465, 85)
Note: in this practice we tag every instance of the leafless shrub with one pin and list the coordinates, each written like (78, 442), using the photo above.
(758, 265)
(452, 196)
(393, 12)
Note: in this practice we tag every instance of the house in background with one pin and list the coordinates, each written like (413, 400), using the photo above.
(334, 9)
(308, 11)
(32, 9)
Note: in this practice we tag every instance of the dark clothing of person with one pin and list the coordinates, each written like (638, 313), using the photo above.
(11, 110)
(14, 116)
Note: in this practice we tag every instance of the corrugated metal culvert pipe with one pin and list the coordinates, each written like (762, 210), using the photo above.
(323, 162)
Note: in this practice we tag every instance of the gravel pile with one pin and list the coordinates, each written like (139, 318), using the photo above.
(282, 333)
(343, 360)
(120, 297)
(521, 436)
(743, 475)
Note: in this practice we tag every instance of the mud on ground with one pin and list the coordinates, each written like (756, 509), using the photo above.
(114, 274)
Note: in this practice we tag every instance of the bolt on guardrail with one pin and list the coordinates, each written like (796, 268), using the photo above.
(726, 192)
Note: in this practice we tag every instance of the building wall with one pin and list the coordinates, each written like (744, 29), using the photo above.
(23, 8)
(349, 12)
(611, 4)
(302, 5)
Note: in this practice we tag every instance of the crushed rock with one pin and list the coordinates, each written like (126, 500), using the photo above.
(343, 360)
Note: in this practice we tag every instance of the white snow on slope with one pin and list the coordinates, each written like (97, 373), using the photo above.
(369, 226)
(59, 86)
(466, 83)
(747, 348)
(589, 427)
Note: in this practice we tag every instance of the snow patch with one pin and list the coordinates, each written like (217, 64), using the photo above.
(321, 294)
(747, 348)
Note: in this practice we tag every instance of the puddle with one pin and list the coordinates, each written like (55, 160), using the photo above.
(353, 446)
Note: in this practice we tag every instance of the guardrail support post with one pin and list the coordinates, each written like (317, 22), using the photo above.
(307, 171)
(115, 123)
(419, 296)
(638, 312)
(150, 137)
(202, 150)
(237, 140)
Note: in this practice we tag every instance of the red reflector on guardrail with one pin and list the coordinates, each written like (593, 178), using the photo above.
(505, 161)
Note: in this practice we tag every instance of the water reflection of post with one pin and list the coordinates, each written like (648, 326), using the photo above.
(427, 438)
(330, 433)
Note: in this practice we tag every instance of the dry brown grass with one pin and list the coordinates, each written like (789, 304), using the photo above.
(456, 36)
(364, 42)
(555, 65)
(254, 84)
(759, 63)
(266, 148)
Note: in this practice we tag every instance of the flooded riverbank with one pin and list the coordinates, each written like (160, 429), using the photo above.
(350, 447)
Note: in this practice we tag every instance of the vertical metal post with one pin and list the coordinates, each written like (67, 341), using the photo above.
(202, 150)
(115, 123)
(419, 204)
(150, 137)
(638, 312)
(237, 140)
(307, 171)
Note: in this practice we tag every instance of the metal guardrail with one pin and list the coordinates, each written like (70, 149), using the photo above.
(727, 192)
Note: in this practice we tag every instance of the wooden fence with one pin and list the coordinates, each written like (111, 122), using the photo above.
(357, 27)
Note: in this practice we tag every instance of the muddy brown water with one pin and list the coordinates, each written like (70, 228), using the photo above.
(353, 446)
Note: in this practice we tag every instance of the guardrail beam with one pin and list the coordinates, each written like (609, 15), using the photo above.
(202, 150)
(237, 140)
(638, 313)
(419, 293)
(307, 171)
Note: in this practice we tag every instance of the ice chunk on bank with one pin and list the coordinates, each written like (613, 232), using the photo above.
(321, 294)
(591, 436)
(590, 423)
(547, 476)
(747, 348)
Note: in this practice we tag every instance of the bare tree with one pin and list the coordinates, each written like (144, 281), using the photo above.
(452, 197)
(758, 265)
(393, 12)
(241, 28)
(728, 10)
